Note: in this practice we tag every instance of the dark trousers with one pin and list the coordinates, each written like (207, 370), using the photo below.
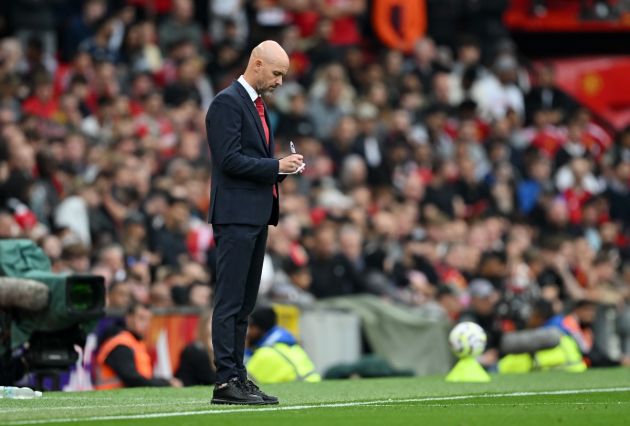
(240, 254)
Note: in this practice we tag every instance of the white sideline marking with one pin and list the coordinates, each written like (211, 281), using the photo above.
(525, 404)
(383, 402)
(120, 405)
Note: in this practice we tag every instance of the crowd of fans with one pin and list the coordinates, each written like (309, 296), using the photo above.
(428, 170)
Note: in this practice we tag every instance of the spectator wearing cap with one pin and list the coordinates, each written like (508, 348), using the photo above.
(482, 311)
(498, 94)
(276, 356)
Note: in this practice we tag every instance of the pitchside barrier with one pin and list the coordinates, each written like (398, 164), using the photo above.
(335, 331)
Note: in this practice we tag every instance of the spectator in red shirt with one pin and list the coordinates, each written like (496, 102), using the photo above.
(344, 16)
(42, 104)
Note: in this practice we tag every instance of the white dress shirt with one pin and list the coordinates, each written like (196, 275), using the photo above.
(250, 90)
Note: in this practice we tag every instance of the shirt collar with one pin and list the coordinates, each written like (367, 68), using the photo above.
(249, 89)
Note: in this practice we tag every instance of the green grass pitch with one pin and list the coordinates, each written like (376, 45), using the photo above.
(597, 397)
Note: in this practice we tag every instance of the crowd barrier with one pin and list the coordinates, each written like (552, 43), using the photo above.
(334, 331)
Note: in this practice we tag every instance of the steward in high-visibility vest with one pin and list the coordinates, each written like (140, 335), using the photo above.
(570, 354)
(276, 357)
(105, 377)
(282, 363)
(565, 356)
(123, 360)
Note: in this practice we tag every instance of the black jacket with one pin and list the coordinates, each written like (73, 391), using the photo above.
(243, 168)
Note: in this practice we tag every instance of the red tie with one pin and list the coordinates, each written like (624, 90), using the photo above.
(261, 113)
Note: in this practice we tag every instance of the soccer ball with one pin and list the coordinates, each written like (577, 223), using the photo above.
(467, 339)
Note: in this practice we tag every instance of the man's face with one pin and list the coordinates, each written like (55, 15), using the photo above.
(120, 296)
(254, 333)
(483, 305)
(139, 321)
(270, 75)
(586, 315)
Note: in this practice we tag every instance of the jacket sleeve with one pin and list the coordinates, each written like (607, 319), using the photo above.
(224, 126)
(120, 359)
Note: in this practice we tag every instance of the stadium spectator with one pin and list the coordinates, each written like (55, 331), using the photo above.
(123, 360)
(180, 25)
(498, 93)
(275, 355)
(545, 95)
(119, 296)
(196, 363)
(81, 26)
(333, 275)
(484, 300)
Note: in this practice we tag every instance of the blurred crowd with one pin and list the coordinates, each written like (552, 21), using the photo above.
(451, 174)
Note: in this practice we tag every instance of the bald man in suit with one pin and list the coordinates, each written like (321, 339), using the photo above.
(244, 201)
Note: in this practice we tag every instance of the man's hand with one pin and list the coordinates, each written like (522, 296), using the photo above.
(176, 383)
(291, 163)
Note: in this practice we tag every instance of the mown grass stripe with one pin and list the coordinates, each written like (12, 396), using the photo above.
(382, 402)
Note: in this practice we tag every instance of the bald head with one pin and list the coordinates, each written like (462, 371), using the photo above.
(268, 65)
(270, 51)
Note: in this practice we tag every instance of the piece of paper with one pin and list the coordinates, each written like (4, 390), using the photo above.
(295, 172)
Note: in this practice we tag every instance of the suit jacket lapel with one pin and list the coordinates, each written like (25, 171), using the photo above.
(271, 141)
(254, 112)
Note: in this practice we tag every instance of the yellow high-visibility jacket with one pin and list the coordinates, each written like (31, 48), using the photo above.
(566, 356)
(281, 363)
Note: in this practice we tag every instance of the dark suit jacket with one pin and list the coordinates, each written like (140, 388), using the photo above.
(559, 100)
(243, 168)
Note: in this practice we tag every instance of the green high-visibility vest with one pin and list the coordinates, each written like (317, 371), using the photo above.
(565, 356)
(282, 363)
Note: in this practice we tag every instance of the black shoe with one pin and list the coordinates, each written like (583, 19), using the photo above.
(234, 392)
(255, 390)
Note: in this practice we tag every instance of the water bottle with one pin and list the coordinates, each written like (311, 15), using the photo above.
(12, 392)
